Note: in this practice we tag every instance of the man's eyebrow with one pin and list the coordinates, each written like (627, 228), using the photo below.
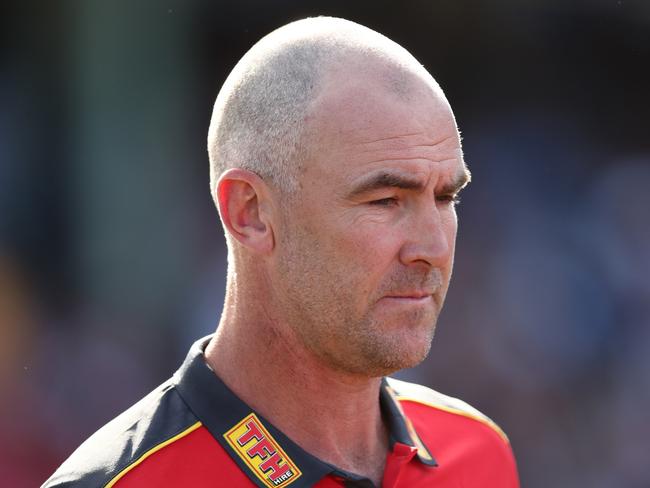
(386, 180)
(392, 180)
(459, 182)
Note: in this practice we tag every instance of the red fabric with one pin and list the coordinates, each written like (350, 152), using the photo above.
(196, 460)
(330, 482)
(470, 454)
(396, 464)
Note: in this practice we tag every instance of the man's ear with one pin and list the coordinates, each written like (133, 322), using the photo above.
(245, 209)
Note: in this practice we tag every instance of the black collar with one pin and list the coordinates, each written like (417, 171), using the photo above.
(220, 410)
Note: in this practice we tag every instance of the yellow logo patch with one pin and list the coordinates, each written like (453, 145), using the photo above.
(261, 453)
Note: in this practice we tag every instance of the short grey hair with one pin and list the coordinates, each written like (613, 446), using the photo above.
(258, 121)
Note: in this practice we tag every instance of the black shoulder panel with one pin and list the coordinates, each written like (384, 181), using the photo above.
(159, 416)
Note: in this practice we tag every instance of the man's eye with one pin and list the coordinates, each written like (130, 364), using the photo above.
(384, 202)
(451, 199)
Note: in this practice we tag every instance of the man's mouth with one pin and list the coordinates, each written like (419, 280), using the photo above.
(410, 297)
(410, 294)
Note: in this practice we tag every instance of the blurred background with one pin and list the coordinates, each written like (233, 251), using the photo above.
(112, 259)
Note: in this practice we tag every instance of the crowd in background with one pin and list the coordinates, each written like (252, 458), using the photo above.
(112, 259)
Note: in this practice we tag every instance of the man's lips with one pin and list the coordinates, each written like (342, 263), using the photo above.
(411, 297)
(408, 302)
(410, 294)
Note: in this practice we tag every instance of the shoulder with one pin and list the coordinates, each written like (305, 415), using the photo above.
(154, 422)
(465, 443)
(434, 403)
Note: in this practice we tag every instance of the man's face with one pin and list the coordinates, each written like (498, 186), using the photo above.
(365, 252)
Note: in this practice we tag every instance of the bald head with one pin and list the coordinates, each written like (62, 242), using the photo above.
(260, 118)
(352, 133)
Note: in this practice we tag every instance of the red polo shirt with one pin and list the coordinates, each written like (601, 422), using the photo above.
(192, 431)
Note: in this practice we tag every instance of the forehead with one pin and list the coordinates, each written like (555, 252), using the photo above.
(359, 125)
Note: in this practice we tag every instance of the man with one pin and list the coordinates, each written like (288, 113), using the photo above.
(335, 166)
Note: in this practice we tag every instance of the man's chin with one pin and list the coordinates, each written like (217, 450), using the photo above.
(398, 353)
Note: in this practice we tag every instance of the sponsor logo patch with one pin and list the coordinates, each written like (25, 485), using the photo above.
(261, 453)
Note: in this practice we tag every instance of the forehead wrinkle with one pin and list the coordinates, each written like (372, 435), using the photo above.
(399, 141)
(416, 153)
(414, 158)
(389, 138)
(402, 138)
(406, 147)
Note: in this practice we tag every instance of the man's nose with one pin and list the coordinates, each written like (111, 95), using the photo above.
(428, 238)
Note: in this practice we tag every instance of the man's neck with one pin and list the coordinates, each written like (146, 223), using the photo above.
(332, 415)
